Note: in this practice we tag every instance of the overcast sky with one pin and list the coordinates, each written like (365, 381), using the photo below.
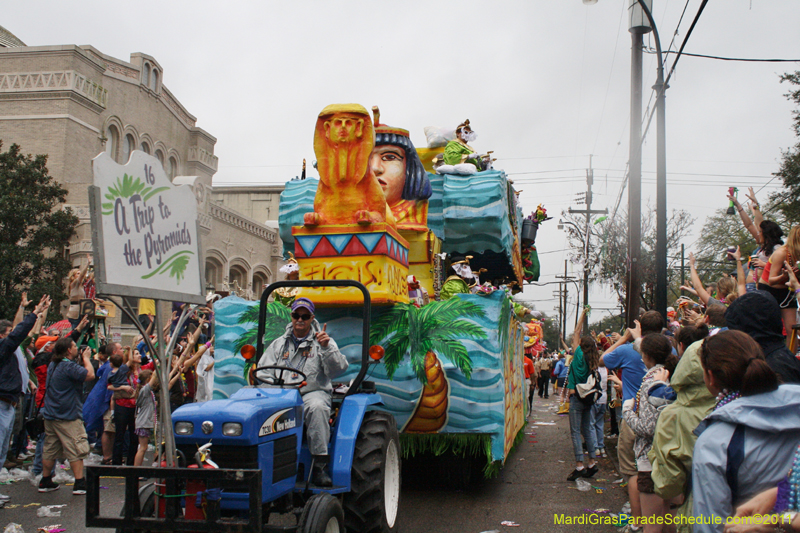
(544, 83)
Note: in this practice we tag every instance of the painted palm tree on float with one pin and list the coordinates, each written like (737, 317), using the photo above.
(426, 334)
(278, 315)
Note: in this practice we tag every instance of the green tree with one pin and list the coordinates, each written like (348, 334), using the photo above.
(608, 250)
(787, 201)
(613, 322)
(33, 231)
(720, 231)
(551, 332)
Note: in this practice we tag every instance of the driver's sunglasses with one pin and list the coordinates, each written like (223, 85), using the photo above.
(304, 316)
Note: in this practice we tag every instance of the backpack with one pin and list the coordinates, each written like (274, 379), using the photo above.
(589, 392)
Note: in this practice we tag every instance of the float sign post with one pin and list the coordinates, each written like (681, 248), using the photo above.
(146, 245)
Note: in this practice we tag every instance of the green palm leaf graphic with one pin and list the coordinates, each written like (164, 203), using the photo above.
(176, 265)
(278, 316)
(125, 188)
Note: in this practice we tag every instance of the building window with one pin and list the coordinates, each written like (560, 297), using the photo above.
(260, 283)
(155, 80)
(128, 146)
(133, 303)
(172, 168)
(160, 157)
(145, 148)
(146, 79)
(112, 141)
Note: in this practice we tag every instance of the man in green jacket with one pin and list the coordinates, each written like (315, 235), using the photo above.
(673, 444)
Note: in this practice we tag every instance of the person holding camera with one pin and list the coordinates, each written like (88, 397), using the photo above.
(63, 413)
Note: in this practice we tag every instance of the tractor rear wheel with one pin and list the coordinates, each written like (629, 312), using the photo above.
(322, 514)
(372, 503)
(147, 506)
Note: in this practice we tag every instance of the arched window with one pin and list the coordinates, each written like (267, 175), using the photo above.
(237, 279)
(112, 141)
(172, 168)
(146, 79)
(128, 146)
(260, 282)
(155, 80)
(145, 148)
(160, 157)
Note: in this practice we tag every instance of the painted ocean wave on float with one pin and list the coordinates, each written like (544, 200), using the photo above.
(475, 405)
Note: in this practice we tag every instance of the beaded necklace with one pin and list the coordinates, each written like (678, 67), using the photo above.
(647, 376)
(794, 480)
(155, 409)
(724, 398)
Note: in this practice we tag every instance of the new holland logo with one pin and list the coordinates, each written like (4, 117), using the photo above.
(280, 421)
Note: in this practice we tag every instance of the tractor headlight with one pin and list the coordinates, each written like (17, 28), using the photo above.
(184, 428)
(231, 429)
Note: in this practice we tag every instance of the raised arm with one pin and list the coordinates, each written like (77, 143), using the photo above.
(748, 224)
(741, 285)
(23, 303)
(576, 335)
(688, 289)
(168, 325)
(702, 293)
(196, 357)
(758, 218)
(82, 274)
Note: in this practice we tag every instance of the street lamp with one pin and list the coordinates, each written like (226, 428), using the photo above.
(661, 171)
(641, 22)
(585, 239)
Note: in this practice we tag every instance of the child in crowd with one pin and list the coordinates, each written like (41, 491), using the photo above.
(599, 413)
(641, 414)
(145, 412)
(123, 382)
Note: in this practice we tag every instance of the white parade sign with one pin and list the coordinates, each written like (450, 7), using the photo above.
(145, 231)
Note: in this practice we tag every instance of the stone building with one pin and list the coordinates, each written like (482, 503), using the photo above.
(72, 102)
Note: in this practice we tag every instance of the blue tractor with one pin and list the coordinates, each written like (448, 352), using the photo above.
(258, 463)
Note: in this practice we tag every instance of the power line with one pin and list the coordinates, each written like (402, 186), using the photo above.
(742, 59)
(610, 74)
(675, 34)
(683, 44)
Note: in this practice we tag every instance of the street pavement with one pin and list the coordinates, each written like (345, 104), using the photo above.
(530, 491)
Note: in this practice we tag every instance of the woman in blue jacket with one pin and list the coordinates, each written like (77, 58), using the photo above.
(747, 443)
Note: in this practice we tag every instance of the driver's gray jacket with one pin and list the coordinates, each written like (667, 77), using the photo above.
(319, 364)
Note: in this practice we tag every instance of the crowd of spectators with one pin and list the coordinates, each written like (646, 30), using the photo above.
(67, 393)
(710, 397)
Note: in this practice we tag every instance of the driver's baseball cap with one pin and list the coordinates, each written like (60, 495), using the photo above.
(303, 302)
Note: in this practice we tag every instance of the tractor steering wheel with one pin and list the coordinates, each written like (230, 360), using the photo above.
(278, 380)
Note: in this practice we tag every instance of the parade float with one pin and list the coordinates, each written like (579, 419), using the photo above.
(380, 214)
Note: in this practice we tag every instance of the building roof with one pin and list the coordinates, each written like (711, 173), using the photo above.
(8, 39)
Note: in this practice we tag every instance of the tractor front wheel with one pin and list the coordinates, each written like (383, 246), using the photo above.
(322, 514)
(372, 503)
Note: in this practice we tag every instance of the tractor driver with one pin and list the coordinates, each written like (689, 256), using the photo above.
(305, 346)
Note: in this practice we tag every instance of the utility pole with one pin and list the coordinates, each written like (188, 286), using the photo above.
(559, 310)
(565, 280)
(683, 274)
(637, 27)
(588, 212)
